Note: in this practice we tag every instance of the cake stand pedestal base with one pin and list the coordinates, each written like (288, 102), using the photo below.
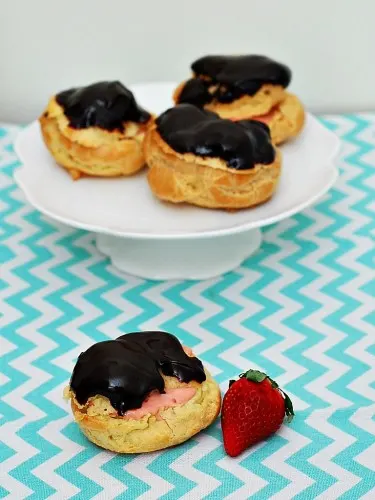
(179, 259)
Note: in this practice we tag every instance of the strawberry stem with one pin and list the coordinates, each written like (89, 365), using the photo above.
(274, 384)
(289, 412)
(254, 376)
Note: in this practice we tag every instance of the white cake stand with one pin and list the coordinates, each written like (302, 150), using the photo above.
(154, 240)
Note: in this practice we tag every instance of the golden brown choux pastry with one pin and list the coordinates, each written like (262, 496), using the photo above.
(194, 156)
(141, 392)
(245, 87)
(96, 130)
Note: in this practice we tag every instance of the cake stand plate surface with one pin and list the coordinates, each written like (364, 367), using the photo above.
(156, 240)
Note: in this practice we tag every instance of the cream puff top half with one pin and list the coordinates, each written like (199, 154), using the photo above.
(242, 144)
(106, 105)
(127, 370)
(227, 78)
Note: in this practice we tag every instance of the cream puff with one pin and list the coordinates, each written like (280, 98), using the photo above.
(245, 87)
(194, 156)
(96, 130)
(141, 392)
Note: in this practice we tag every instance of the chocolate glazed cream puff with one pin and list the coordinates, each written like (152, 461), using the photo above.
(96, 130)
(141, 392)
(243, 87)
(195, 156)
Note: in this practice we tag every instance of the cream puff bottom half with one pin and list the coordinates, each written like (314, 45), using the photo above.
(171, 426)
(286, 120)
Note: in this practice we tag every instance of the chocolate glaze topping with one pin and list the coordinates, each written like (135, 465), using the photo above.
(107, 105)
(127, 369)
(241, 144)
(231, 77)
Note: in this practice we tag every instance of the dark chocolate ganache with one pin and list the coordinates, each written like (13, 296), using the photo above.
(241, 144)
(127, 369)
(226, 78)
(107, 105)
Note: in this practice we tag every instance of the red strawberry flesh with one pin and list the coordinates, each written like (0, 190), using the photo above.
(253, 409)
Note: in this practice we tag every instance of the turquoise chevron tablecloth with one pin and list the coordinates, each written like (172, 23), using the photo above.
(302, 309)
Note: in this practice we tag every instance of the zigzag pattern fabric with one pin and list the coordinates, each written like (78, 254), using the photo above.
(301, 309)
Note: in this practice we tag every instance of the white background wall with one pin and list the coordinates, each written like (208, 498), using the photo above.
(49, 45)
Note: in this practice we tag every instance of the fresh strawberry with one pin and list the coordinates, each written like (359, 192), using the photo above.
(253, 408)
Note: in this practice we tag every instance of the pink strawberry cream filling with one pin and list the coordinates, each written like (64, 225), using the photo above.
(156, 402)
